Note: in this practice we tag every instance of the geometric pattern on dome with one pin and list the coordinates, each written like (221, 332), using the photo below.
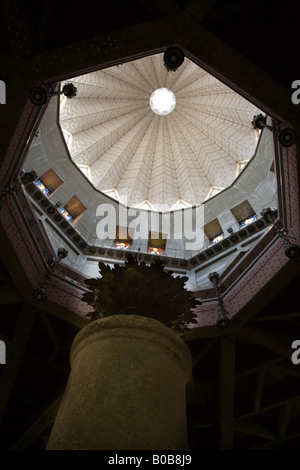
(111, 130)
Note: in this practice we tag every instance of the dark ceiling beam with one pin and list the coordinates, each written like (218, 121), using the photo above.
(12, 264)
(268, 408)
(277, 317)
(284, 419)
(255, 430)
(274, 445)
(286, 369)
(9, 294)
(16, 354)
(33, 432)
(203, 351)
(103, 50)
(275, 342)
(256, 369)
(46, 22)
(17, 29)
(5, 278)
(60, 312)
(217, 58)
(226, 392)
(228, 11)
(279, 281)
(19, 278)
(259, 388)
(52, 334)
(199, 10)
(100, 51)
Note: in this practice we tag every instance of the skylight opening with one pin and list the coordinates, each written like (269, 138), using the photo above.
(162, 101)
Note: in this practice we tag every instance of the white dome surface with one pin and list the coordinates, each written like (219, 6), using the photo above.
(140, 157)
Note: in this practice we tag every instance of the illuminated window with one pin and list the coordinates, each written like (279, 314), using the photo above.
(67, 214)
(122, 245)
(73, 210)
(217, 238)
(123, 239)
(156, 243)
(244, 213)
(153, 250)
(248, 221)
(213, 231)
(42, 188)
(49, 182)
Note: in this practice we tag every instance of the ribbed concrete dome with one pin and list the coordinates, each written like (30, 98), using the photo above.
(143, 158)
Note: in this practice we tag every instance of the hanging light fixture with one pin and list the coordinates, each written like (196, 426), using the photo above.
(61, 254)
(173, 58)
(291, 250)
(40, 293)
(223, 320)
(39, 95)
(286, 137)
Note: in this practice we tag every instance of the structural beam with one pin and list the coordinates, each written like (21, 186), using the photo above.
(284, 419)
(277, 317)
(16, 354)
(9, 294)
(32, 433)
(217, 58)
(255, 430)
(226, 391)
(259, 388)
(279, 344)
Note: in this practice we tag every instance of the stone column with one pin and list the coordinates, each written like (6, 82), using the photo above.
(126, 389)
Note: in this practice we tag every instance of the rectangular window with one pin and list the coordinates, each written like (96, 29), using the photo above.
(67, 215)
(157, 243)
(49, 182)
(42, 187)
(154, 250)
(122, 245)
(248, 220)
(218, 238)
(213, 231)
(73, 209)
(244, 213)
(123, 240)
